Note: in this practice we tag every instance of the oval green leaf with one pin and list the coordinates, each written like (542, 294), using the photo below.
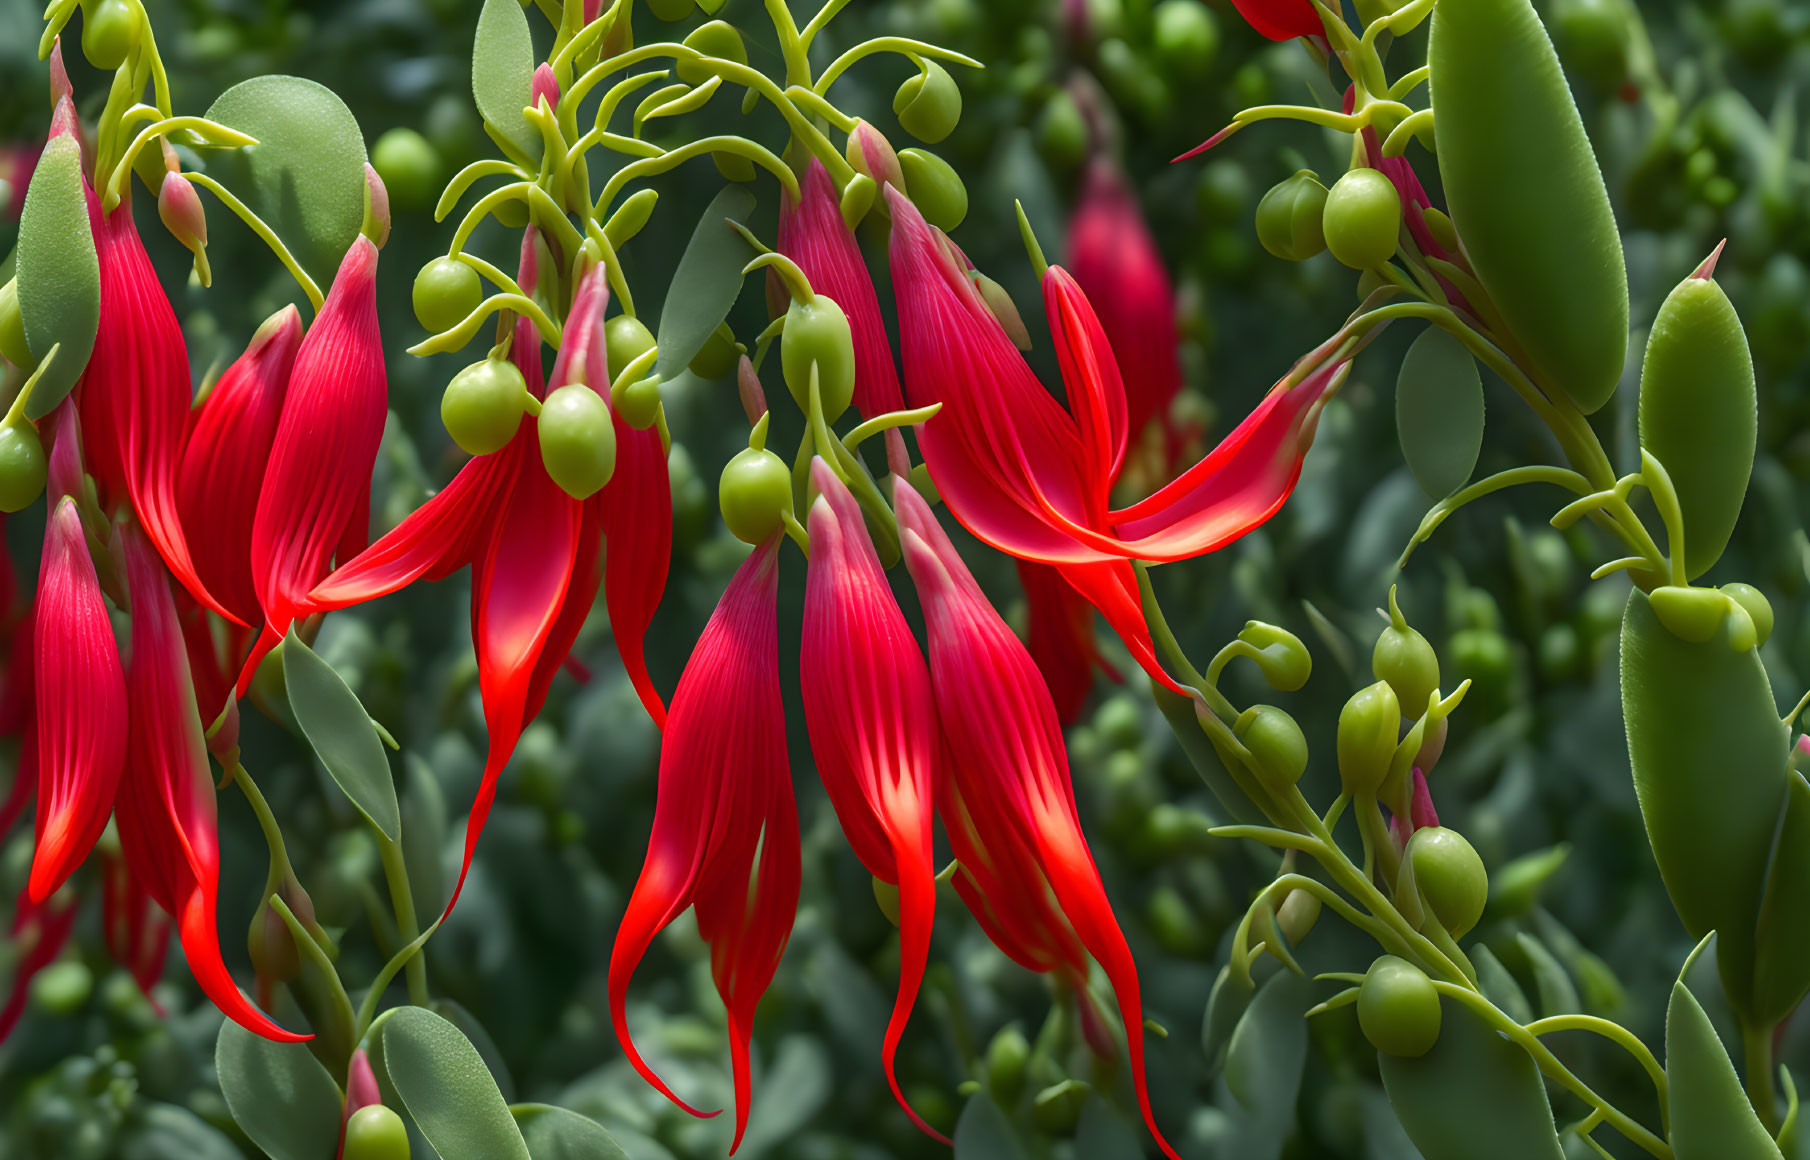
(1782, 943)
(1439, 412)
(58, 272)
(1475, 1096)
(342, 734)
(1103, 1134)
(984, 1133)
(502, 72)
(1558, 994)
(1711, 1118)
(279, 1094)
(559, 1134)
(706, 283)
(447, 1089)
(1269, 1048)
(306, 175)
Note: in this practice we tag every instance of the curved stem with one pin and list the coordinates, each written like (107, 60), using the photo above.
(264, 232)
(902, 45)
(402, 899)
(1616, 1033)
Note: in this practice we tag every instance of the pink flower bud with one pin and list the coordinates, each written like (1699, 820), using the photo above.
(544, 87)
(872, 154)
(180, 208)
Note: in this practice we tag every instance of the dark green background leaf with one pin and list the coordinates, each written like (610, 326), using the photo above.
(707, 282)
(342, 734)
(1439, 412)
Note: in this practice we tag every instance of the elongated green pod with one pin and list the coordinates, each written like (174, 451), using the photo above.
(1709, 755)
(1474, 1096)
(1711, 1118)
(1781, 973)
(1698, 412)
(1526, 196)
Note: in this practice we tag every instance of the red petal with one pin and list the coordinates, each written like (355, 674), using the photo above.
(1059, 636)
(637, 513)
(1281, 19)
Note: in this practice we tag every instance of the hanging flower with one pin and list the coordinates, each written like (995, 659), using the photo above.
(1059, 634)
(1281, 19)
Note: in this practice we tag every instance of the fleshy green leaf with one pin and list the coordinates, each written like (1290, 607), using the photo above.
(59, 275)
(984, 1133)
(279, 1094)
(1269, 1049)
(1103, 1134)
(558, 1134)
(158, 1131)
(1782, 942)
(305, 177)
(1499, 986)
(1558, 995)
(1711, 1118)
(342, 734)
(467, 1025)
(502, 72)
(1439, 412)
(706, 283)
(447, 1089)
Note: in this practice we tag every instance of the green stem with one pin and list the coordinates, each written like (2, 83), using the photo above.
(264, 232)
(273, 835)
(395, 872)
(1756, 1043)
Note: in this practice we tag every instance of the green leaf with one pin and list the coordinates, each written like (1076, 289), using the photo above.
(58, 272)
(447, 1089)
(1558, 995)
(157, 1131)
(984, 1133)
(1499, 986)
(558, 1134)
(706, 283)
(1103, 1134)
(1711, 1118)
(279, 1094)
(424, 823)
(502, 72)
(1226, 1004)
(1782, 942)
(468, 1026)
(1439, 412)
(305, 177)
(1269, 1049)
(1474, 1096)
(342, 734)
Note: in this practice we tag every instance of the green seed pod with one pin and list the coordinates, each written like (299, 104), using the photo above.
(1362, 222)
(1473, 1096)
(1369, 729)
(718, 38)
(1450, 877)
(1690, 614)
(23, 468)
(936, 189)
(639, 402)
(12, 328)
(578, 440)
(1710, 760)
(625, 340)
(1525, 194)
(1007, 1056)
(1277, 743)
(410, 167)
(929, 105)
(374, 1132)
(1398, 1009)
(1283, 659)
(818, 332)
(755, 494)
(1297, 915)
(1403, 658)
(1753, 602)
(483, 406)
(718, 356)
(1290, 218)
(1698, 413)
(446, 291)
(1711, 1118)
(110, 30)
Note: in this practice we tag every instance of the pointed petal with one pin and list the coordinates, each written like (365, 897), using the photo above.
(637, 513)
(1090, 375)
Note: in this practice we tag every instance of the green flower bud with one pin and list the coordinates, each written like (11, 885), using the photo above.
(374, 1132)
(1007, 1056)
(1057, 1108)
(12, 328)
(639, 403)
(446, 291)
(1369, 729)
(936, 189)
(1284, 660)
(929, 105)
(718, 38)
(1297, 915)
(755, 494)
(1403, 658)
(1290, 217)
(718, 356)
(110, 31)
(484, 404)
(1690, 614)
(1276, 741)
(1450, 877)
(23, 468)
(1398, 1008)
(1757, 607)
(1363, 219)
(818, 332)
(1003, 308)
(625, 340)
(578, 440)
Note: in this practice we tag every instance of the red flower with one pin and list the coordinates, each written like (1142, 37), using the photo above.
(1027, 872)
(1059, 634)
(1281, 19)
(533, 550)
(813, 234)
(137, 930)
(317, 487)
(725, 797)
(166, 817)
(867, 704)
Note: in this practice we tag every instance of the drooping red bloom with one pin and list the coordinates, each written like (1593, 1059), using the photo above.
(1116, 262)
(1281, 19)
(813, 234)
(1059, 634)
(38, 933)
(81, 704)
(317, 486)
(224, 461)
(725, 834)
(534, 550)
(165, 815)
(137, 929)
(867, 704)
(1011, 813)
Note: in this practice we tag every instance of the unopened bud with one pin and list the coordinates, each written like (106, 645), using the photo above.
(274, 955)
(377, 208)
(1407, 661)
(747, 385)
(1297, 915)
(872, 154)
(1369, 727)
(1285, 661)
(929, 105)
(1276, 741)
(544, 87)
(1753, 602)
(180, 208)
(1003, 308)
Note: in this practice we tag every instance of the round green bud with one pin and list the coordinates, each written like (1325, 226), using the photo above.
(755, 494)
(1690, 614)
(818, 332)
(1297, 915)
(1186, 35)
(639, 402)
(718, 356)
(12, 328)
(1757, 607)
(22, 467)
(1450, 877)
(1176, 927)
(110, 30)
(63, 988)
(1363, 219)
(1290, 215)
(1398, 1008)
(446, 292)
(483, 406)
(625, 340)
(578, 440)
(718, 38)
(410, 167)
(1057, 1109)
(376, 1133)
(1062, 132)
(1007, 1057)
(936, 189)
(1369, 729)
(1276, 741)
(1407, 661)
(1283, 659)
(929, 105)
